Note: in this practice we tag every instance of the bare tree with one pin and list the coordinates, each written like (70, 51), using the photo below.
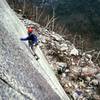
(36, 13)
(41, 14)
(24, 6)
(53, 21)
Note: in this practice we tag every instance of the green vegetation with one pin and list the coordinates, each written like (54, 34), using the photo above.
(80, 15)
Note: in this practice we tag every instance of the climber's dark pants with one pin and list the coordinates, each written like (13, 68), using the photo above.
(32, 44)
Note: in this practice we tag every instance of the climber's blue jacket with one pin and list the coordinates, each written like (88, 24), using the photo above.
(31, 37)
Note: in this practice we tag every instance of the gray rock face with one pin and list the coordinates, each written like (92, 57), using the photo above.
(19, 80)
(18, 74)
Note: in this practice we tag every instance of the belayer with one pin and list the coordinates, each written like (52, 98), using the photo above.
(32, 39)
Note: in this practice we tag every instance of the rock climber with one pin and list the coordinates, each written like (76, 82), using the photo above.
(32, 38)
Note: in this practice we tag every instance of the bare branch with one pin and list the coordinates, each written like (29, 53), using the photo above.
(40, 15)
(50, 21)
(97, 56)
